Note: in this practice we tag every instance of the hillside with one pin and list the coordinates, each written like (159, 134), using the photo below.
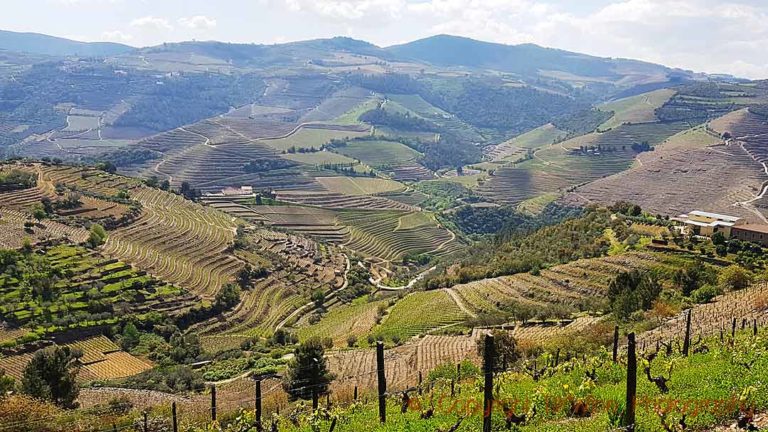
(527, 60)
(36, 43)
(190, 216)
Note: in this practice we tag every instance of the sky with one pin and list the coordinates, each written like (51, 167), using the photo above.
(715, 36)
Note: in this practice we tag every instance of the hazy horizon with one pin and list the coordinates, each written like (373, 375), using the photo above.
(700, 35)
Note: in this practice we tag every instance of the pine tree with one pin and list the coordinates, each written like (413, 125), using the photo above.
(308, 371)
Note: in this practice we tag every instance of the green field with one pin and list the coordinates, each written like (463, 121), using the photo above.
(408, 318)
(351, 117)
(343, 321)
(359, 185)
(539, 137)
(635, 109)
(380, 154)
(85, 287)
(414, 220)
(310, 138)
(319, 158)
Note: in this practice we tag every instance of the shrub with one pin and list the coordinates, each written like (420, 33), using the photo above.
(734, 277)
(705, 293)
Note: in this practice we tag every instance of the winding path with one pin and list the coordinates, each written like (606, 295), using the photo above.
(301, 309)
(459, 302)
(420, 276)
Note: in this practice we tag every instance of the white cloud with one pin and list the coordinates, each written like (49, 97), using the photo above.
(350, 10)
(152, 23)
(116, 36)
(87, 2)
(198, 22)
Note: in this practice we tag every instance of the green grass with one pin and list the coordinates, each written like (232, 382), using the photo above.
(351, 117)
(708, 388)
(355, 319)
(534, 206)
(539, 137)
(418, 313)
(310, 138)
(319, 158)
(380, 154)
(360, 185)
(635, 109)
(414, 220)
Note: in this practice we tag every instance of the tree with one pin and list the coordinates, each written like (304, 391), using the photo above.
(718, 238)
(308, 371)
(51, 375)
(184, 348)
(693, 275)
(505, 349)
(318, 296)
(97, 236)
(228, 297)
(106, 167)
(130, 337)
(632, 291)
(38, 212)
(7, 384)
(244, 276)
(734, 277)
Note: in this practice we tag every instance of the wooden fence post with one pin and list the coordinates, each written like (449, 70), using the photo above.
(488, 364)
(382, 382)
(354, 394)
(733, 329)
(629, 412)
(687, 340)
(315, 402)
(146, 421)
(420, 382)
(258, 404)
(213, 402)
(173, 417)
(754, 327)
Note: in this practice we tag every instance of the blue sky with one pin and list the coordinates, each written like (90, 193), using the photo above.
(727, 36)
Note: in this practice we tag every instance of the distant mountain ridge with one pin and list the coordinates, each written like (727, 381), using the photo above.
(528, 60)
(36, 43)
(447, 50)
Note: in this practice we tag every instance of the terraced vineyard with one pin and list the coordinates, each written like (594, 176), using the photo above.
(580, 284)
(403, 363)
(662, 186)
(315, 222)
(314, 136)
(102, 359)
(89, 179)
(88, 285)
(343, 321)
(407, 318)
(178, 241)
(13, 230)
(338, 201)
(376, 234)
(558, 167)
(745, 307)
(517, 147)
(299, 267)
(635, 109)
(389, 157)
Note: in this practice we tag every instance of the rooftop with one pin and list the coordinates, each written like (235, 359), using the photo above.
(754, 228)
(715, 216)
(713, 223)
